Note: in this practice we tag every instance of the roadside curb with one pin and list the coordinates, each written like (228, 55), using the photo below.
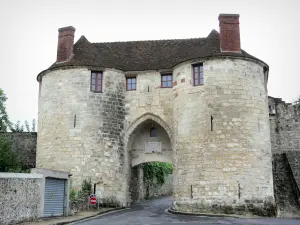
(170, 210)
(90, 217)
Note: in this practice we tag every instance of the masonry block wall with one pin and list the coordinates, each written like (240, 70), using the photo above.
(149, 98)
(137, 152)
(229, 165)
(91, 134)
(81, 132)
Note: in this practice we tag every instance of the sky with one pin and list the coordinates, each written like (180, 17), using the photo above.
(29, 31)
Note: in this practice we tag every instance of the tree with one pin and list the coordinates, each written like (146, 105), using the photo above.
(20, 128)
(27, 126)
(8, 158)
(297, 103)
(4, 121)
(17, 127)
(33, 126)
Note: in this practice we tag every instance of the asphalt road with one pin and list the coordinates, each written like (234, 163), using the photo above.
(153, 213)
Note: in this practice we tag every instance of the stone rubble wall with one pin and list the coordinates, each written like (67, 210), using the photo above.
(285, 141)
(20, 197)
(25, 144)
(284, 126)
(285, 195)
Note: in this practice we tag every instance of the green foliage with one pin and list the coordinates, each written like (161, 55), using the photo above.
(27, 126)
(17, 127)
(111, 202)
(297, 103)
(7, 156)
(10, 160)
(73, 194)
(4, 121)
(18, 169)
(156, 171)
(33, 125)
(86, 189)
(86, 186)
(20, 128)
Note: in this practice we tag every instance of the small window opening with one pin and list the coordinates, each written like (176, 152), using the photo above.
(74, 121)
(166, 81)
(131, 83)
(211, 123)
(198, 76)
(96, 82)
(153, 132)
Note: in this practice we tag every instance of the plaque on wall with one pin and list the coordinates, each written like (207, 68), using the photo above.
(152, 146)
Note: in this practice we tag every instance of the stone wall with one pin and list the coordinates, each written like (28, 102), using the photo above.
(149, 98)
(225, 168)
(284, 125)
(20, 197)
(81, 132)
(91, 134)
(25, 144)
(141, 138)
(157, 190)
(285, 195)
(140, 189)
(285, 141)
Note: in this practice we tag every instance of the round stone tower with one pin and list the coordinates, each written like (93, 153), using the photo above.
(80, 127)
(222, 153)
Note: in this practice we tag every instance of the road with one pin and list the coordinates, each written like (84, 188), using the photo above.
(153, 213)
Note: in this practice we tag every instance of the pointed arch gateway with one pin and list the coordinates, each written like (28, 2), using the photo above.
(138, 129)
(148, 139)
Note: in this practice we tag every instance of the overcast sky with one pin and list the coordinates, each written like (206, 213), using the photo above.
(28, 40)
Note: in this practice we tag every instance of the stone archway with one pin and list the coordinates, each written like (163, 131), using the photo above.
(142, 147)
(148, 116)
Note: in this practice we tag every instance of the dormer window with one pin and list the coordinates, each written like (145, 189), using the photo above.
(96, 82)
(198, 76)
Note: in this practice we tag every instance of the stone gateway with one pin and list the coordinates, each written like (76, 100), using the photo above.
(200, 104)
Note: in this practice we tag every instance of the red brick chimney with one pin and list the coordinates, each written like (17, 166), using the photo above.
(229, 33)
(65, 44)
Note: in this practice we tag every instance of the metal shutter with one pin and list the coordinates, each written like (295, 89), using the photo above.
(54, 197)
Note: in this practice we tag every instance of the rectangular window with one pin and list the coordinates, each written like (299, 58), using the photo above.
(198, 76)
(96, 81)
(130, 83)
(166, 81)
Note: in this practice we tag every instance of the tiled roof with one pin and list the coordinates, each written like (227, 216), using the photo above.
(146, 55)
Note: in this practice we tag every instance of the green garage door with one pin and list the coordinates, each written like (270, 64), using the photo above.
(54, 197)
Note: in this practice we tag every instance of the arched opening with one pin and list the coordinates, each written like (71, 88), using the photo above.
(150, 149)
(151, 180)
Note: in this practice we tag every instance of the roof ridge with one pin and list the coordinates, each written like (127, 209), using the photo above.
(157, 40)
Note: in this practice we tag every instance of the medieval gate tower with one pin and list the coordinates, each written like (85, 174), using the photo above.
(206, 97)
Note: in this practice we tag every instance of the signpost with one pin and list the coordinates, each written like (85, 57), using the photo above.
(93, 200)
